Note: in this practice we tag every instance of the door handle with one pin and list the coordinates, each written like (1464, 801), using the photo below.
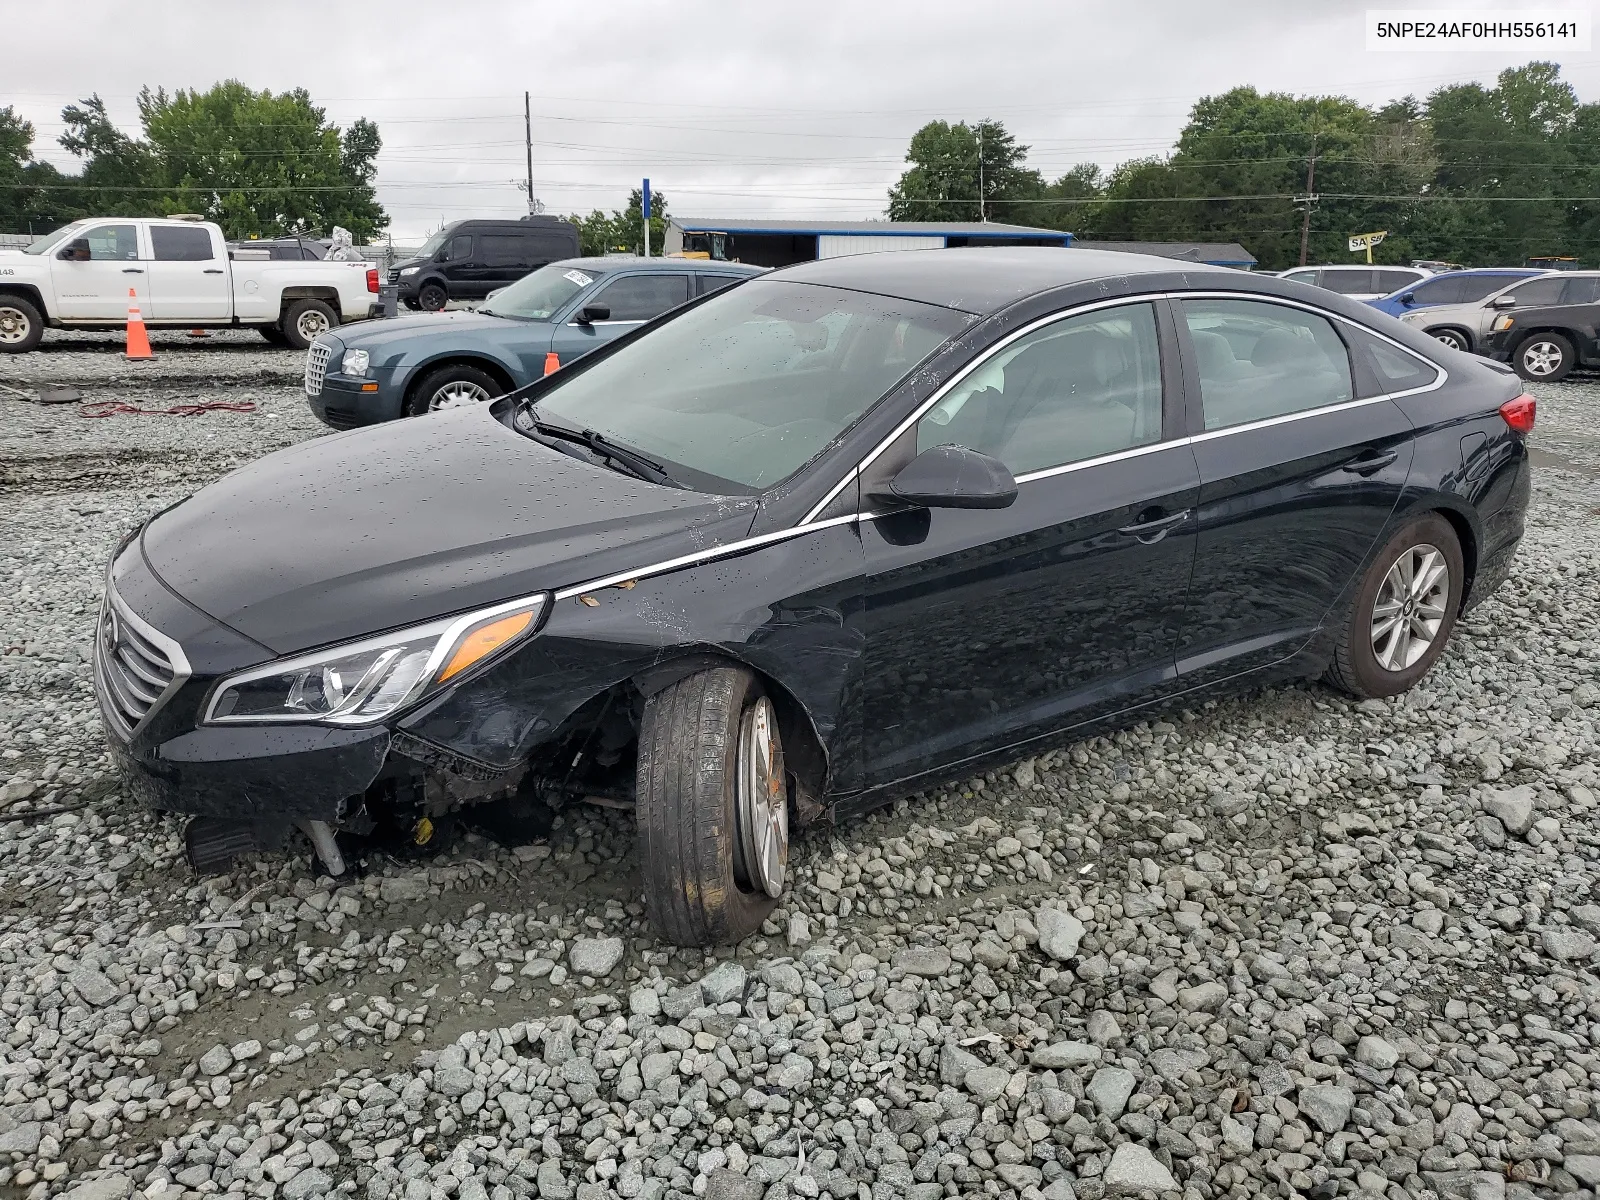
(213, 271)
(1152, 531)
(1370, 462)
(133, 270)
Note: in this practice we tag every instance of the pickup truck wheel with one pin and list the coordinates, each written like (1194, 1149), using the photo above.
(712, 805)
(272, 334)
(303, 320)
(432, 297)
(1544, 357)
(459, 386)
(21, 327)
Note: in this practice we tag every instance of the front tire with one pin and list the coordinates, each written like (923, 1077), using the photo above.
(1403, 612)
(21, 326)
(1453, 338)
(432, 297)
(304, 320)
(1544, 357)
(712, 808)
(459, 386)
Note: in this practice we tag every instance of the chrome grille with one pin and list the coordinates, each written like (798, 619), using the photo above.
(316, 367)
(135, 668)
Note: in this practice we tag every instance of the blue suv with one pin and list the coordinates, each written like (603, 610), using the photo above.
(1454, 287)
(410, 365)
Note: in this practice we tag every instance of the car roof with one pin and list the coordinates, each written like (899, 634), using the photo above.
(637, 262)
(984, 279)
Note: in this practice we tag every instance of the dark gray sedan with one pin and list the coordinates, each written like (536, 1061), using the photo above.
(416, 364)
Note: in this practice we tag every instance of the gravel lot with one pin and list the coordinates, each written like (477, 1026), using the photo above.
(1284, 944)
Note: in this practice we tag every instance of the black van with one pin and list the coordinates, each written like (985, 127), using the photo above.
(469, 259)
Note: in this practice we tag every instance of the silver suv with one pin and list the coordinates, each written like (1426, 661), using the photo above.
(1359, 282)
(1466, 326)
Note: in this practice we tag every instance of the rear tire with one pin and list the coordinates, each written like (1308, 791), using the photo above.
(1403, 613)
(1544, 357)
(452, 387)
(21, 326)
(707, 877)
(432, 297)
(304, 320)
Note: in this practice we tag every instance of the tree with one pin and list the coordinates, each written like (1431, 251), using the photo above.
(16, 149)
(953, 166)
(261, 164)
(622, 232)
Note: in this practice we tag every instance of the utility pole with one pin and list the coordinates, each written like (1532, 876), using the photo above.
(1308, 201)
(527, 141)
(981, 217)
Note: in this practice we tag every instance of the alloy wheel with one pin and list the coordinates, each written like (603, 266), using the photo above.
(1410, 607)
(1451, 338)
(1542, 357)
(14, 326)
(311, 323)
(458, 393)
(761, 804)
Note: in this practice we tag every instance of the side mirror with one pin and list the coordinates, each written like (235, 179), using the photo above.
(952, 477)
(1503, 302)
(77, 250)
(594, 312)
(1409, 298)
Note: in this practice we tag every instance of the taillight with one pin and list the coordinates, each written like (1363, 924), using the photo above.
(1519, 413)
(372, 279)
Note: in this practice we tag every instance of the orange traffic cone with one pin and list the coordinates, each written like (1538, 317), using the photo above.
(552, 363)
(138, 339)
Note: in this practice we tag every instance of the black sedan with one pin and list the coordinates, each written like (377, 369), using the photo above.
(821, 540)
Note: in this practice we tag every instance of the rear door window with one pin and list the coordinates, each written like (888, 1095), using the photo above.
(1258, 360)
(643, 297)
(1353, 283)
(1389, 281)
(172, 243)
(1544, 290)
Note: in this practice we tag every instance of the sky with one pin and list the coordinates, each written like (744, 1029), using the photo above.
(784, 110)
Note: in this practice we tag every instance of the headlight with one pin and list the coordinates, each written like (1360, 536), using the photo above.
(353, 363)
(404, 271)
(363, 682)
(1501, 324)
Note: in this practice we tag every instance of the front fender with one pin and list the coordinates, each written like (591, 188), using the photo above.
(789, 610)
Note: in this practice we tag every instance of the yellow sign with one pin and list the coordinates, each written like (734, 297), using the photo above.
(1366, 241)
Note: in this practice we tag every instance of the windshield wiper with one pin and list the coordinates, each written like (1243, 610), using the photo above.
(630, 462)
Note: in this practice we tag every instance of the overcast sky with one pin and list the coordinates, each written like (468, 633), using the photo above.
(732, 109)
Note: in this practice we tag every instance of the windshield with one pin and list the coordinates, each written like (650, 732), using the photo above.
(750, 386)
(539, 296)
(433, 243)
(50, 239)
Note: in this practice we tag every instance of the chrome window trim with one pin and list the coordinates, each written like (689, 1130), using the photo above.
(1440, 378)
(700, 556)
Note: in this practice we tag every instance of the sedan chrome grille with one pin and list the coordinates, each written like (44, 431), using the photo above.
(316, 367)
(136, 668)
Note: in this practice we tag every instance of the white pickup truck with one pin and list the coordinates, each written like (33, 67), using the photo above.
(182, 274)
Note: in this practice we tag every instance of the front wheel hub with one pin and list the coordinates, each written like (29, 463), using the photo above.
(761, 804)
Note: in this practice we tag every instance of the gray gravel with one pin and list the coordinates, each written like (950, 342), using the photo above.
(1282, 944)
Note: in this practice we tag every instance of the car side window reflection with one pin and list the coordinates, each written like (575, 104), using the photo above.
(1076, 389)
(1258, 360)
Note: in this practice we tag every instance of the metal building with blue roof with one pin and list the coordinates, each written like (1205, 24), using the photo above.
(779, 243)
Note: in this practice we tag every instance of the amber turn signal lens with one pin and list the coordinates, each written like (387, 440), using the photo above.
(483, 641)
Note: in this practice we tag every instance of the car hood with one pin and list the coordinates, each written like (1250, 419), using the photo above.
(377, 335)
(374, 529)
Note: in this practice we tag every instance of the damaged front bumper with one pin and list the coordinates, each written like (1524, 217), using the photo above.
(155, 660)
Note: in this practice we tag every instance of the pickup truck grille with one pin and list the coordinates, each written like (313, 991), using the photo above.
(135, 668)
(316, 367)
